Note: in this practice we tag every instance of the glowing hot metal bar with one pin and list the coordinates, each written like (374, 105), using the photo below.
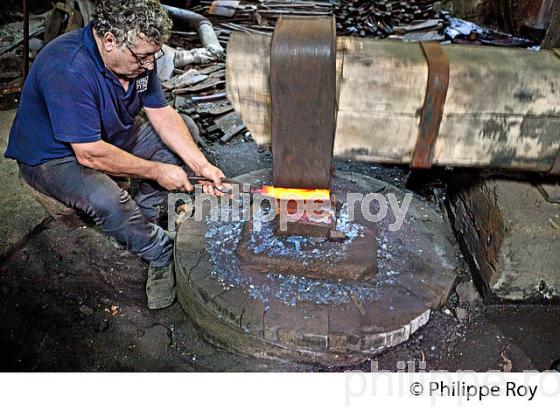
(295, 193)
(302, 212)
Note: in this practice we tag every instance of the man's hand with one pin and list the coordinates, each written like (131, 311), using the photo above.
(215, 174)
(173, 178)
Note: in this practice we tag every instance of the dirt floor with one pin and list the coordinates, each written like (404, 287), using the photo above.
(70, 301)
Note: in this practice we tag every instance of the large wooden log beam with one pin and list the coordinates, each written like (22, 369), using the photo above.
(502, 108)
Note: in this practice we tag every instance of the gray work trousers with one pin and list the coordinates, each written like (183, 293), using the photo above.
(131, 221)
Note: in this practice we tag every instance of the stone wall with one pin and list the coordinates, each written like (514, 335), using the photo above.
(510, 235)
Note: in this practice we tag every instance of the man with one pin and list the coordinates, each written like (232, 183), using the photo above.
(77, 124)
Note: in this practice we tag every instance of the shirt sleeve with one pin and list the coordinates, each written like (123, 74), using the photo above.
(154, 96)
(72, 107)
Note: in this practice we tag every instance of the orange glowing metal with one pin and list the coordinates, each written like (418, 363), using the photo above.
(295, 193)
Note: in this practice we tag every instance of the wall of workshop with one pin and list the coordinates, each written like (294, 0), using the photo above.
(478, 11)
(519, 17)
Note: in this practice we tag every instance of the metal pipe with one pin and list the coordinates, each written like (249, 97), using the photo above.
(196, 22)
(209, 39)
(186, 18)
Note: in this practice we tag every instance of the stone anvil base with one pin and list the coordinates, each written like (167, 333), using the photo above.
(324, 321)
(358, 262)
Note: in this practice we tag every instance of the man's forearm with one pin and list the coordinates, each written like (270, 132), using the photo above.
(176, 136)
(115, 161)
(174, 133)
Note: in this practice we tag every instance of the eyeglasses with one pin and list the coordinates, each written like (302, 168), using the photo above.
(150, 59)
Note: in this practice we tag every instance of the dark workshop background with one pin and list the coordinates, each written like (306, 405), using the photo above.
(478, 10)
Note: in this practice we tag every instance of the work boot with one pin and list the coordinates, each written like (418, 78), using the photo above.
(160, 287)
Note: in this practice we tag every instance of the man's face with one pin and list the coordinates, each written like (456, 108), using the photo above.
(131, 61)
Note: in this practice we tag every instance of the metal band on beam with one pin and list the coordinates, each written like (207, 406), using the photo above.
(434, 101)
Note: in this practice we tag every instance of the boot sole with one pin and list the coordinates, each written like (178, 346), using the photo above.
(162, 303)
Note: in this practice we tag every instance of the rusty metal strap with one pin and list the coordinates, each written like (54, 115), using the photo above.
(434, 101)
(555, 169)
(303, 91)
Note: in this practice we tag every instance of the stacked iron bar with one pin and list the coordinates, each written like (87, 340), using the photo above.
(378, 18)
(405, 20)
(260, 15)
(383, 18)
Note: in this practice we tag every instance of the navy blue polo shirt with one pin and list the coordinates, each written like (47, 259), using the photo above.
(71, 97)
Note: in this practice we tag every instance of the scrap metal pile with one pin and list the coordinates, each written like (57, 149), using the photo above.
(414, 20)
(200, 94)
(383, 18)
(364, 18)
(11, 51)
(199, 91)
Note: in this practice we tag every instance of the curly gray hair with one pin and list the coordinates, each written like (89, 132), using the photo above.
(129, 19)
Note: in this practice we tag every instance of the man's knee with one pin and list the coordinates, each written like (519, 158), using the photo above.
(108, 202)
(167, 156)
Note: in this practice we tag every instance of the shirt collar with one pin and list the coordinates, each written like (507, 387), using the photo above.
(91, 46)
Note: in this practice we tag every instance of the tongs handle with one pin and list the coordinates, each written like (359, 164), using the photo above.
(204, 179)
(228, 181)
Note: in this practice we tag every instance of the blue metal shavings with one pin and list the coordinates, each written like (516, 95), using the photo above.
(262, 240)
(221, 242)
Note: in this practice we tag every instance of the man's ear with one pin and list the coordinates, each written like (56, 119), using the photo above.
(109, 42)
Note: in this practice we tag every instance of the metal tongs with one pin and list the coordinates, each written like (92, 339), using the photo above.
(229, 181)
